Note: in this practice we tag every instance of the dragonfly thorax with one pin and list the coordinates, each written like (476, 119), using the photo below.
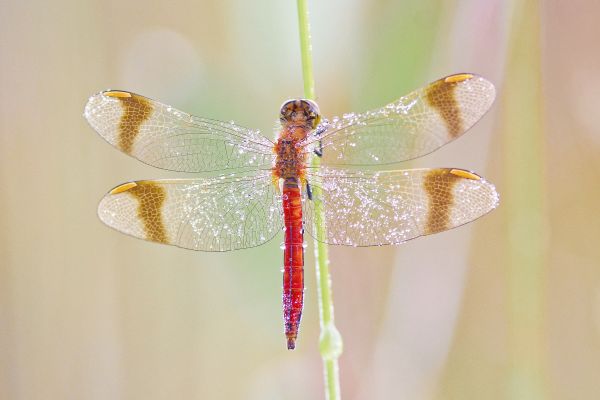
(291, 158)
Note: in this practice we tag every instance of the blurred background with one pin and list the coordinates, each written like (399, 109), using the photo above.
(505, 308)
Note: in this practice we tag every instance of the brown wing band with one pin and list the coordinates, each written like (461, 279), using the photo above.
(136, 110)
(151, 198)
(441, 96)
(439, 185)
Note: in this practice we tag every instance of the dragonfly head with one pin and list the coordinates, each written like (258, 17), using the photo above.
(301, 113)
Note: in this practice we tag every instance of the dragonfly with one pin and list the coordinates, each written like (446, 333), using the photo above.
(251, 188)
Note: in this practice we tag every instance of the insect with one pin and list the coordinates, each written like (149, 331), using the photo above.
(252, 188)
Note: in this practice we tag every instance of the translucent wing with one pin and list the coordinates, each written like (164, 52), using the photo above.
(412, 126)
(379, 208)
(161, 136)
(217, 214)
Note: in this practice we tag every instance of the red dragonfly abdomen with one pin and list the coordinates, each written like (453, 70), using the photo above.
(293, 260)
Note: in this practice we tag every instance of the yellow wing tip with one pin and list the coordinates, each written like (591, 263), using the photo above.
(458, 78)
(123, 188)
(117, 94)
(465, 174)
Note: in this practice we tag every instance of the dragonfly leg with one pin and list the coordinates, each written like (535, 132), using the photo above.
(319, 150)
(323, 126)
(309, 190)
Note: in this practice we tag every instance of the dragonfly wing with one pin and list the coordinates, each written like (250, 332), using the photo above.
(217, 214)
(164, 137)
(391, 207)
(410, 127)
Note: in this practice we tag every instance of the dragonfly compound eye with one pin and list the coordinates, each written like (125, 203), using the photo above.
(287, 111)
(300, 112)
(312, 112)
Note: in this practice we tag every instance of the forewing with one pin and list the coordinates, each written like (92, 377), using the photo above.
(380, 208)
(217, 214)
(410, 127)
(164, 137)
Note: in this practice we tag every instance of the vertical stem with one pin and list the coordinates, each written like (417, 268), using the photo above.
(330, 341)
(524, 200)
(306, 50)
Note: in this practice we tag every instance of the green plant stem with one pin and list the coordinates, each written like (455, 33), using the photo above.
(306, 50)
(525, 201)
(330, 341)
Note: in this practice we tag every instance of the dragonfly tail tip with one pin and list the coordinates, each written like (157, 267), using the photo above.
(291, 343)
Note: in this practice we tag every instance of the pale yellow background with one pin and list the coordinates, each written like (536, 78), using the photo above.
(506, 308)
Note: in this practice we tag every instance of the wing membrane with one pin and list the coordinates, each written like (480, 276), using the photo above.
(379, 208)
(410, 127)
(216, 214)
(161, 136)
